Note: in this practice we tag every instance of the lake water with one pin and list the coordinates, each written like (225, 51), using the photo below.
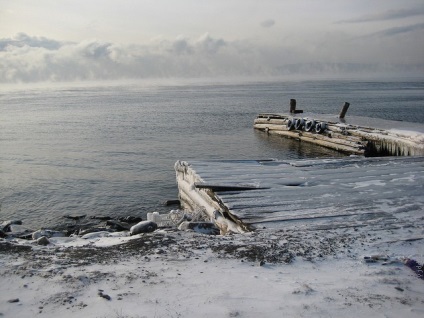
(109, 149)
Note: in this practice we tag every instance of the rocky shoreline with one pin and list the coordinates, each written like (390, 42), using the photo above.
(275, 246)
(256, 247)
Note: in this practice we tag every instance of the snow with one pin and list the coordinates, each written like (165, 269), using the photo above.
(414, 136)
(169, 273)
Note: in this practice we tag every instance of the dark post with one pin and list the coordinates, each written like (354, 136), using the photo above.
(344, 110)
(292, 105)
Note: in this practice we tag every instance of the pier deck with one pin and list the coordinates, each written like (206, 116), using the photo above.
(355, 135)
(321, 193)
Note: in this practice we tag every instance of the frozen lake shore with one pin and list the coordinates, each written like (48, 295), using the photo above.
(293, 272)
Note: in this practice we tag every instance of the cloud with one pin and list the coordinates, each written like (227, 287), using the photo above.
(95, 50)
(181, 46)
(268, 23)
(209, 45)
(25, 58)
(397, 30)
(387, 15)
(22, 39)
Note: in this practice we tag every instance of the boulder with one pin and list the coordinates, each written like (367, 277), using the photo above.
(5, 226)
(143, 227)
(43, 241)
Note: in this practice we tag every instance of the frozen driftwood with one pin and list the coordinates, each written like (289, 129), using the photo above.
(350, 138)
(349, 192)
(194, 198)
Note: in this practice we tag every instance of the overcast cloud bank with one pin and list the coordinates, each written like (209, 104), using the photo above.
(387, 15)
(25, 58)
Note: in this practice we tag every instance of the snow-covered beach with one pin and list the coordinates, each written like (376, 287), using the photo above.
(293, 272)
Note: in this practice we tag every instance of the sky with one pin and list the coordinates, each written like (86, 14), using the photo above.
(66, 40)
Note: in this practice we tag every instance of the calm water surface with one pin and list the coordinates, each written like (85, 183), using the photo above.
(110, 149)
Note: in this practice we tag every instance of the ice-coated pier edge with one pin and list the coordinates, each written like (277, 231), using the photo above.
(356, 135)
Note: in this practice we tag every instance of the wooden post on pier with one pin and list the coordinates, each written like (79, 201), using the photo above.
(293, 109)
(292, 106)
(344, 110)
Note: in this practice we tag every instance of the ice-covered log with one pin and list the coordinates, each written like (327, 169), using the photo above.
(197, 198)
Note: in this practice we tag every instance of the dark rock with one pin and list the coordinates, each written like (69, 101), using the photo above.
(75, 217)
(172, 202)
(15, 300)
(43, 241)
(100, 217)
(130, 219)
(143, 227)
(118, 226)
(105, 296)
(2, 234)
